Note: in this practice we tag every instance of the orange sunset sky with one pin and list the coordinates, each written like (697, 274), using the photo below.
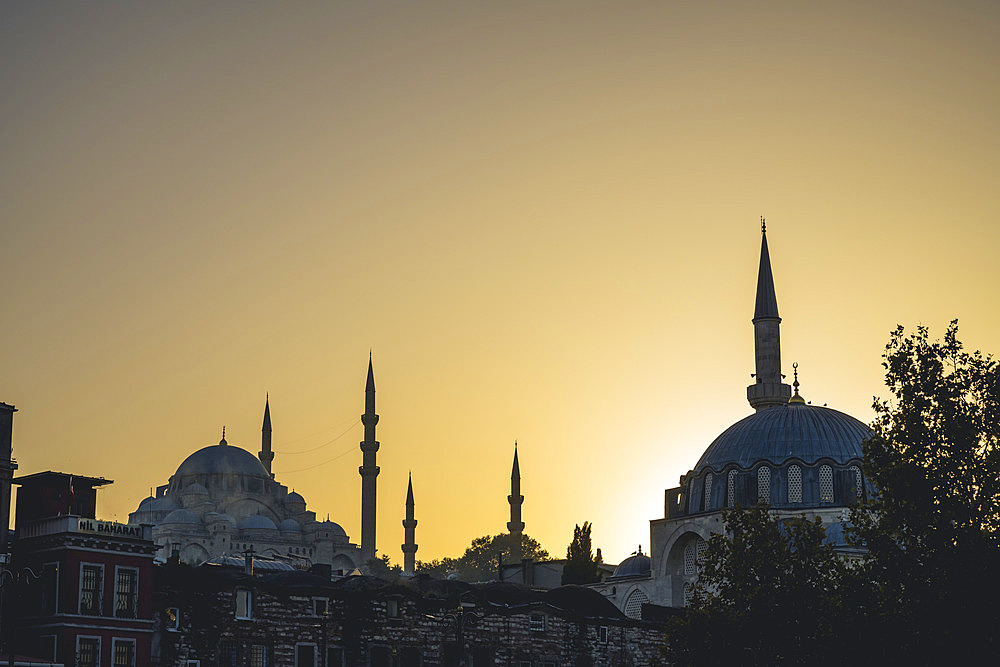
(542, 217)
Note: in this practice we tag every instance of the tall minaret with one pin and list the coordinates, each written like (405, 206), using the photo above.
(409, 529)
(369, 471)
(266, 455)
(768, 390)
(515, 525)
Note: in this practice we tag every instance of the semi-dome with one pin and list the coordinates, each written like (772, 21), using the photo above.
(795, 430)
(257, 522)
(194, 489)
(183, 516)
(222, 459)
(294, 498)
(636, 565)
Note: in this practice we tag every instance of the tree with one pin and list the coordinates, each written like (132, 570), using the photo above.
(769, 592)
(932, 533)
(580, 568)
(383, 568)
(479, 562)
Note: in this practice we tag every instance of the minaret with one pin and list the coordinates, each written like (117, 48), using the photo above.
(768, 390)
(409, 529)
(369, 471)
(515, 525)
(266, 455)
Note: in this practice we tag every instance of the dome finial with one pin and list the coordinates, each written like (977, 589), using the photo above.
(763, 226)
(223, 441)
(795, 384)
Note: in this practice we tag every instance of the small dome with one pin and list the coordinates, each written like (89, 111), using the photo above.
(294, 499)
(257, 522)
(290, 526)
(146, 504)
(182, 516)
(222, 459)
(194, 489)
(332, 527)
(636, 565)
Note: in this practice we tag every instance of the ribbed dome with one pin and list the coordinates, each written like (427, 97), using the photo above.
(795, 430)
(294, 499)
(225, 459)
(633, 566)
(333, 528)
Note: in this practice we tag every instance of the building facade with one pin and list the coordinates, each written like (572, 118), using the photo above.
(85, 597)
(231, 618)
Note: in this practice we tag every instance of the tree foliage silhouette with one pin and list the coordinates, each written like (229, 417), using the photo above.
(580, 567)
(932, 533)
(769, 592)
(479, 562)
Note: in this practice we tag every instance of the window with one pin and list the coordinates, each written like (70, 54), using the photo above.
(688, 594)
(258, 655)
(536, 622)
(763, 484)
(392, 609)
(194, 663)
(320, 606)
(602, 634)
(794, 484)
(171, 619)
(244, 603)
(88, 651)
(123, 652)
(700, 548)
(91, 585)
(126, 592)
(731, 490)
(689, 556)
(227, 653)
(305, 655)
(859, 485)
(708, 490)
(825, 484)
(634, 602)
(334, 656)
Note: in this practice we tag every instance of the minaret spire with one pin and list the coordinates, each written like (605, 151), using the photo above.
(266, 456)
(768, 390)
(368, 470)
(515, 525)
(409, 529)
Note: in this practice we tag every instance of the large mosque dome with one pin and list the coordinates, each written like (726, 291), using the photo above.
(792, 431)
(221, 459)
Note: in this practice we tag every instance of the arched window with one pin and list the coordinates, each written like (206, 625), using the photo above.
(700, 549)
(859, 485)
(689, 559)
(708, 490)
(825, 484)
(634, 602)
(794, 484)
(731, 490)
(763, 484)
(688, 594)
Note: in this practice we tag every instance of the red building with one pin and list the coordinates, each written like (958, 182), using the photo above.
(84, 591)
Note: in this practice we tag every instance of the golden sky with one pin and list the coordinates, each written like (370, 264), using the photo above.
(542, 217)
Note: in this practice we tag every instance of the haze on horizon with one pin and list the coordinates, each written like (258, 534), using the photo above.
(543, 218)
